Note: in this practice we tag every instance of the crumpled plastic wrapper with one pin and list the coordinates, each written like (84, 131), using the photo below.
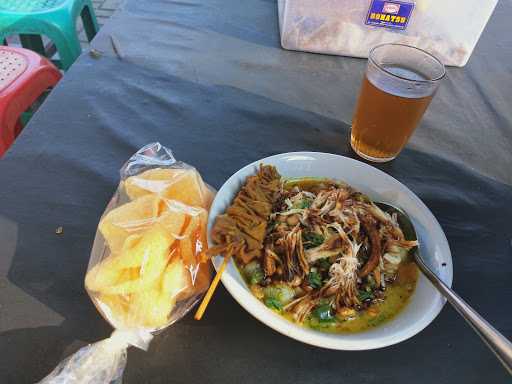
(447, 29)
(148, 265)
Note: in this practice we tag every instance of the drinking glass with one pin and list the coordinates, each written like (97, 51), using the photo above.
(399, 83)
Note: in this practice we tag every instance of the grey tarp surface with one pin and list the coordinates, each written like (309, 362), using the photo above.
(209, 80)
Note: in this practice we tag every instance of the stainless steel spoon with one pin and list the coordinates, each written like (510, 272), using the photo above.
(498, 343)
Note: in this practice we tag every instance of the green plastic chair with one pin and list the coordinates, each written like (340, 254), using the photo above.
(54, 18)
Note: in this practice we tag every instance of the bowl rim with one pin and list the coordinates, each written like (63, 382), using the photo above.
(257, 309)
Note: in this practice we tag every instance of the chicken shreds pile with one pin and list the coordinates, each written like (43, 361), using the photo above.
(304, 246)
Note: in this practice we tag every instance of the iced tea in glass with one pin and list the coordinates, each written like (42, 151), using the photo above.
(398, 86)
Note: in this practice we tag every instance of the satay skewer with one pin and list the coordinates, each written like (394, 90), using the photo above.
(213, 286)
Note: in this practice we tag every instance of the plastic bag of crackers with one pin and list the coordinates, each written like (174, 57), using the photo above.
(148, 265)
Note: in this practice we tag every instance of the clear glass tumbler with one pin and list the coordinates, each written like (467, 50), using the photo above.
(399, 84)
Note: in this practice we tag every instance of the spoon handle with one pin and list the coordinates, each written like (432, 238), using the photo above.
(498, 343)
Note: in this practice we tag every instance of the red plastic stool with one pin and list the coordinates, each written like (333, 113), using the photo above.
(24, 76)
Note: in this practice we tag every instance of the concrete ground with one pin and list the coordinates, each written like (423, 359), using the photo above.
(103, 10)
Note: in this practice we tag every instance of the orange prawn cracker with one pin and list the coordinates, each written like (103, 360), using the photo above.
(198, 281)
(194, 239)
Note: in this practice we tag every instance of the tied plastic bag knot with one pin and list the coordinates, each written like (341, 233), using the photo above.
(122, 339)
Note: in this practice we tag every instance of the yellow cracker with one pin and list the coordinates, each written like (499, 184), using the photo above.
(129, 219)
(184, 185)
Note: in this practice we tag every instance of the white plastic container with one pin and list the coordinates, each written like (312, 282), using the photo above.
(449, 29)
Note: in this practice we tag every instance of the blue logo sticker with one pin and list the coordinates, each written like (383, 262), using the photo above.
(389, 14)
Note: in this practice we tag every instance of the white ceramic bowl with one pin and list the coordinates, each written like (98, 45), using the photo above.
(426, 302)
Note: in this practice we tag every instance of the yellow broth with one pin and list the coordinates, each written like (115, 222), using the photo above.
(396, 298)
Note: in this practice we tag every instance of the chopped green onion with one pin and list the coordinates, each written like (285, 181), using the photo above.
(371, 281)
(323, 313)
(302, 204)
(256, 277)
(312, 239)
(314, 280)
(273, 303)
(324, 264)
(363, 295)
